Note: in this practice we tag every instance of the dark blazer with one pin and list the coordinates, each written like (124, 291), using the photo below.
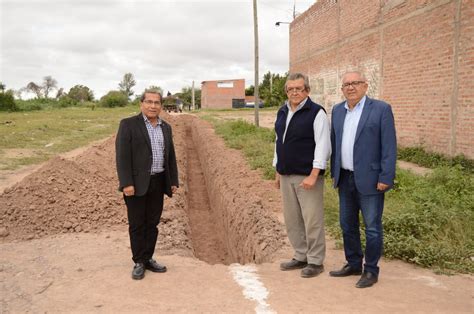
(375, 146)
(134, 155)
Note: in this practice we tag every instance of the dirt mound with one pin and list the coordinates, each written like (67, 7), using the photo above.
(221, 213)
(78, 195)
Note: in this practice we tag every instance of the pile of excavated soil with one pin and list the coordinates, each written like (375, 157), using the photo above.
(79, 194)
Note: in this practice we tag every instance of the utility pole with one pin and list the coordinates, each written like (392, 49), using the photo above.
(192, 97)
(255, 28)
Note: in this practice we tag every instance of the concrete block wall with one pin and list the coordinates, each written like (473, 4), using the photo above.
(417, 55)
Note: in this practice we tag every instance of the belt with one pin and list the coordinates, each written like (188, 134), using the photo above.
(347, 171)
(157, 174)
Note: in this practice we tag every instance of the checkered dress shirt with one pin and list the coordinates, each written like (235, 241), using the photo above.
(157, 145)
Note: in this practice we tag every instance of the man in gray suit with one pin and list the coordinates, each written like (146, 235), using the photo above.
(147, 169)
(364, 153)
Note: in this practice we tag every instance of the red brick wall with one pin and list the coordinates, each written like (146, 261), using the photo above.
(418, 55)
(215, 97)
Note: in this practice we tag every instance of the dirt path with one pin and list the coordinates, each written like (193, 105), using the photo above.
(65, 246)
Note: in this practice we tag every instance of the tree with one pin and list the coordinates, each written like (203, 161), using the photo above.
(156, 88)
(186, 96)
(81, 93)
(126, 85)
(48, 84)
(7, 102)
(59, 93)
(34, 88)
(114, 99)
(249, 90)
(272, 89)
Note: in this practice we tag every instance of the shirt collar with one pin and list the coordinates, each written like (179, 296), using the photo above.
(300, 105)
(148, 121)
(358, 106)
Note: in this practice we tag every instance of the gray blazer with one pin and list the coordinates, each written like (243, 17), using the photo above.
(134, 156)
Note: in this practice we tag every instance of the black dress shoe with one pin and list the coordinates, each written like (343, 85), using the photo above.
(367, 279)
(312, 270)
(293, 264)
(155, 267)
(138, 271)
(345, 271)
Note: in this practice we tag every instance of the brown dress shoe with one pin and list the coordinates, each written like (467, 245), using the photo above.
(293, 264)
(311, 270)
(153, 266)
(367, 279)
(345, 271)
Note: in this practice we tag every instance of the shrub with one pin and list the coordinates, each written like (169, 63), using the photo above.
(114, 99)
(7, 102)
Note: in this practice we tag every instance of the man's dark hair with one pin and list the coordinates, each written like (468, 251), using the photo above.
(151, 91)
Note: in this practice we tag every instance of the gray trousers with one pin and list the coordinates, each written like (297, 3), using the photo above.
(304, 218)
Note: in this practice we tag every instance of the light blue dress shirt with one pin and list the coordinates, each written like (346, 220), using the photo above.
(349, 132)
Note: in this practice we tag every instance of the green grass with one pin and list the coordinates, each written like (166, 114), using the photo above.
(45, 133)
(428, 221)
(423, 158)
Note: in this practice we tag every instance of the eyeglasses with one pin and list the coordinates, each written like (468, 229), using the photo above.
(151, 102)
(353, 84)
(295, 89)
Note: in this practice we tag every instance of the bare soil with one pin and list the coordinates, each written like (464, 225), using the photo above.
(64, 244)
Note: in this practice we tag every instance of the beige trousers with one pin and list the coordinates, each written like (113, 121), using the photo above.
(304, 218)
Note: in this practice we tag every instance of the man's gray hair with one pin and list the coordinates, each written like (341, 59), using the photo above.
(297, 76)
(151, 91)
(362, 76)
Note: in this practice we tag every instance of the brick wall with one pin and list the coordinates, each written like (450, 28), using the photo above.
(219, 94)
(417, 55)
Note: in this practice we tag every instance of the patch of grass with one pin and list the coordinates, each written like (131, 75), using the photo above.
(256, 143)
(428, 221)
(52, 131)
(420, 156)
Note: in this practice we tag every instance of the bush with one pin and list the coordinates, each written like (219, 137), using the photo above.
(7, 102)
(114, 99)
(66, 101)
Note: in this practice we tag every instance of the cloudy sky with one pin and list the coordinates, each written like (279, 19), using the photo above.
(163, 43)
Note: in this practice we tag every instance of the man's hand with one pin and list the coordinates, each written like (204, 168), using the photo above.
(174, 189)
(129, 190)
(277, 180)
(308, 182)
(382, 186)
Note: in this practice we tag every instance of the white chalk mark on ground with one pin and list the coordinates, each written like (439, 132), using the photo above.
(253, 289)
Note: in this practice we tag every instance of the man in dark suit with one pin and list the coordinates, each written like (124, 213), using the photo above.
(364, 153)
(147, 169)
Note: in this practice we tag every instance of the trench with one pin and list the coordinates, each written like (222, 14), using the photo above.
(227, 221)
(206, 232)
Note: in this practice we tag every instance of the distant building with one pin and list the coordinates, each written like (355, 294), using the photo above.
(223, 94)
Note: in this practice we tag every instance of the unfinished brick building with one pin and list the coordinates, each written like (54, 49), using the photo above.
(223, 94)
(418, 55)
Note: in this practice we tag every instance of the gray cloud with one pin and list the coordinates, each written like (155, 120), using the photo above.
(165, 43)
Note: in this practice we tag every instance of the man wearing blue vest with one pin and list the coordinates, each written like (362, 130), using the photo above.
(303, 147)
(364, 153)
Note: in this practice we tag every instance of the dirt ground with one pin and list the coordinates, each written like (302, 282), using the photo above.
(64, 244)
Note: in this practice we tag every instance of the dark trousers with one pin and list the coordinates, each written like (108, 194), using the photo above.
(371, 206)
(144, 213)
